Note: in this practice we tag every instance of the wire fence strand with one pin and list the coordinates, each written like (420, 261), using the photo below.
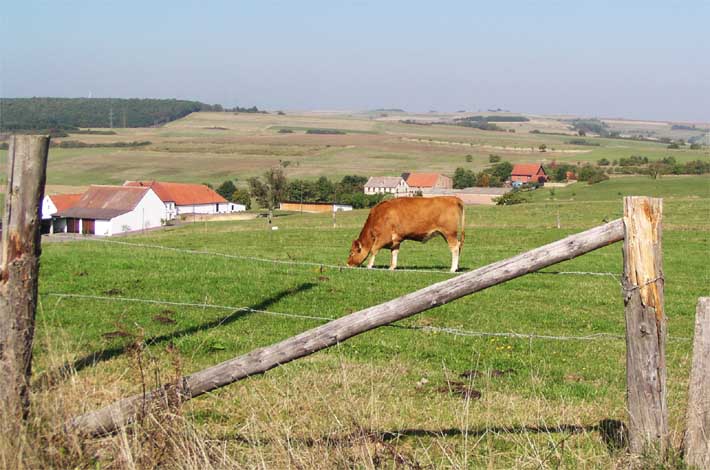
(323, 265)
(432, 329)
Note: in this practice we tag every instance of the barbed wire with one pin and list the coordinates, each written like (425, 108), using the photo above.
(433, 329)
(321, 265)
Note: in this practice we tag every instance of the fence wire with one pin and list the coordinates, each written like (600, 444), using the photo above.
(431, 329)
(323, 265)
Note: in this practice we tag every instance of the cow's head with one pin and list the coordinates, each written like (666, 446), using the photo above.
(357, 254)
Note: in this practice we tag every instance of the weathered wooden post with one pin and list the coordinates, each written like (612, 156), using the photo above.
(696, 443)
(645, 326)
(19, 268)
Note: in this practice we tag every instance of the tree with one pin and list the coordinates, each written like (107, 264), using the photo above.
(543, 147)
(226, 189)
(325, 190)
(463, 178)
(241, 196)
(603, 162)
(493, 158)
(271, 191)
(502, 170)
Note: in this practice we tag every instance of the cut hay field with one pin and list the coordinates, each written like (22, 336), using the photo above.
(393, 397)
(213, 147)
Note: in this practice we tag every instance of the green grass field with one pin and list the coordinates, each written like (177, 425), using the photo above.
(391, 397)
(213, 147)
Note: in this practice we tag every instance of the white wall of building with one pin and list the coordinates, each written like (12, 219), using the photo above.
(48, 208)
(401, 189)
(102, 227)
(148, 213)
(215, 208)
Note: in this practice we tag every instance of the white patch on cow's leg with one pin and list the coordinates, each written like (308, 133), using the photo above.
(393, 264)
(371, 263)
(455, 257)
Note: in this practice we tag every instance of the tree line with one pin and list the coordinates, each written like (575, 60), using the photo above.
(62, 114)
(274, 187)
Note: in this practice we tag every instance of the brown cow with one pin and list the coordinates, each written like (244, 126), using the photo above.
(410, 218)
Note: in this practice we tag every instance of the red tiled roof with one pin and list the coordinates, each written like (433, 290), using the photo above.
(105, 202)
(422, 180)
(182, 194)
(65, 201)
(526, 169)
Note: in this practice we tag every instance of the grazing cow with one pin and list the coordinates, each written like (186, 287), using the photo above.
(410, 218)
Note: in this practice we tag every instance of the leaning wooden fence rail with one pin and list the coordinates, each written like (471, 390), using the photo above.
(120, 413)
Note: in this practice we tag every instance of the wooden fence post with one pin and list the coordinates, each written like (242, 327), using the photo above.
(645, 326)
(696, 443)
(19, 268)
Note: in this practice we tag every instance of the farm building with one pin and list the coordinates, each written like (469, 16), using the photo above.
(53, 204)
(184, 198)
(387, 185)
(528, 173)
(469, 196)
(313, 206)
(109, 210)
(426, 181)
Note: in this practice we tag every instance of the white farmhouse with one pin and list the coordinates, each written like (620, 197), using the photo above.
(387, 185)
(53, 204)
(183, 198)
(109, 210)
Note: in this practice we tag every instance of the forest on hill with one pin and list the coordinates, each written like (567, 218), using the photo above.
(61, 114)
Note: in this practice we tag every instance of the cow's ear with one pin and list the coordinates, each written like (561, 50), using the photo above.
(359, 245)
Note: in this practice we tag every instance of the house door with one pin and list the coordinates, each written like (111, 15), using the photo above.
(87, 226)
(73, 225)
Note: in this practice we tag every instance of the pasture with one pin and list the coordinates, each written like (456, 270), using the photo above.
(415, 394)
(212, 147)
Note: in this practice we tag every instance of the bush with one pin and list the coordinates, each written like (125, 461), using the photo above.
(285, 131)
(603, 162)
(241, 196)
(493, 158)
(673, 146)
(591, 175)
(511, 198)
(325, 131)
(695, 146)
(469, 158)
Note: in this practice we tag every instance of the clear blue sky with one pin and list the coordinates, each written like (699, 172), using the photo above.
(638, 59)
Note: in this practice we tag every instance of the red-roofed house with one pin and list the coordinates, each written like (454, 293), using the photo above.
(427, 181)
(528, 173)
(185, 198)
(108, 210)
(53, 204)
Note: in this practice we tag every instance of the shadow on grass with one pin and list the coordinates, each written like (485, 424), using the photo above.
(51, 377)
(613, 432)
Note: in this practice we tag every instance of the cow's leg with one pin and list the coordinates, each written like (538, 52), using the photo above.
(371, 263)
(395, 252)
(455, 247)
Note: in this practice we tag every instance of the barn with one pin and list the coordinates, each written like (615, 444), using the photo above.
(186, 198)
(528, 173)
(428, 181)
(387, 185)
(314, 206)
(53, 204)
(110, 210)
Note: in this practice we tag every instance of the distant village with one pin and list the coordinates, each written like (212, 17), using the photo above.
(107, 210)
